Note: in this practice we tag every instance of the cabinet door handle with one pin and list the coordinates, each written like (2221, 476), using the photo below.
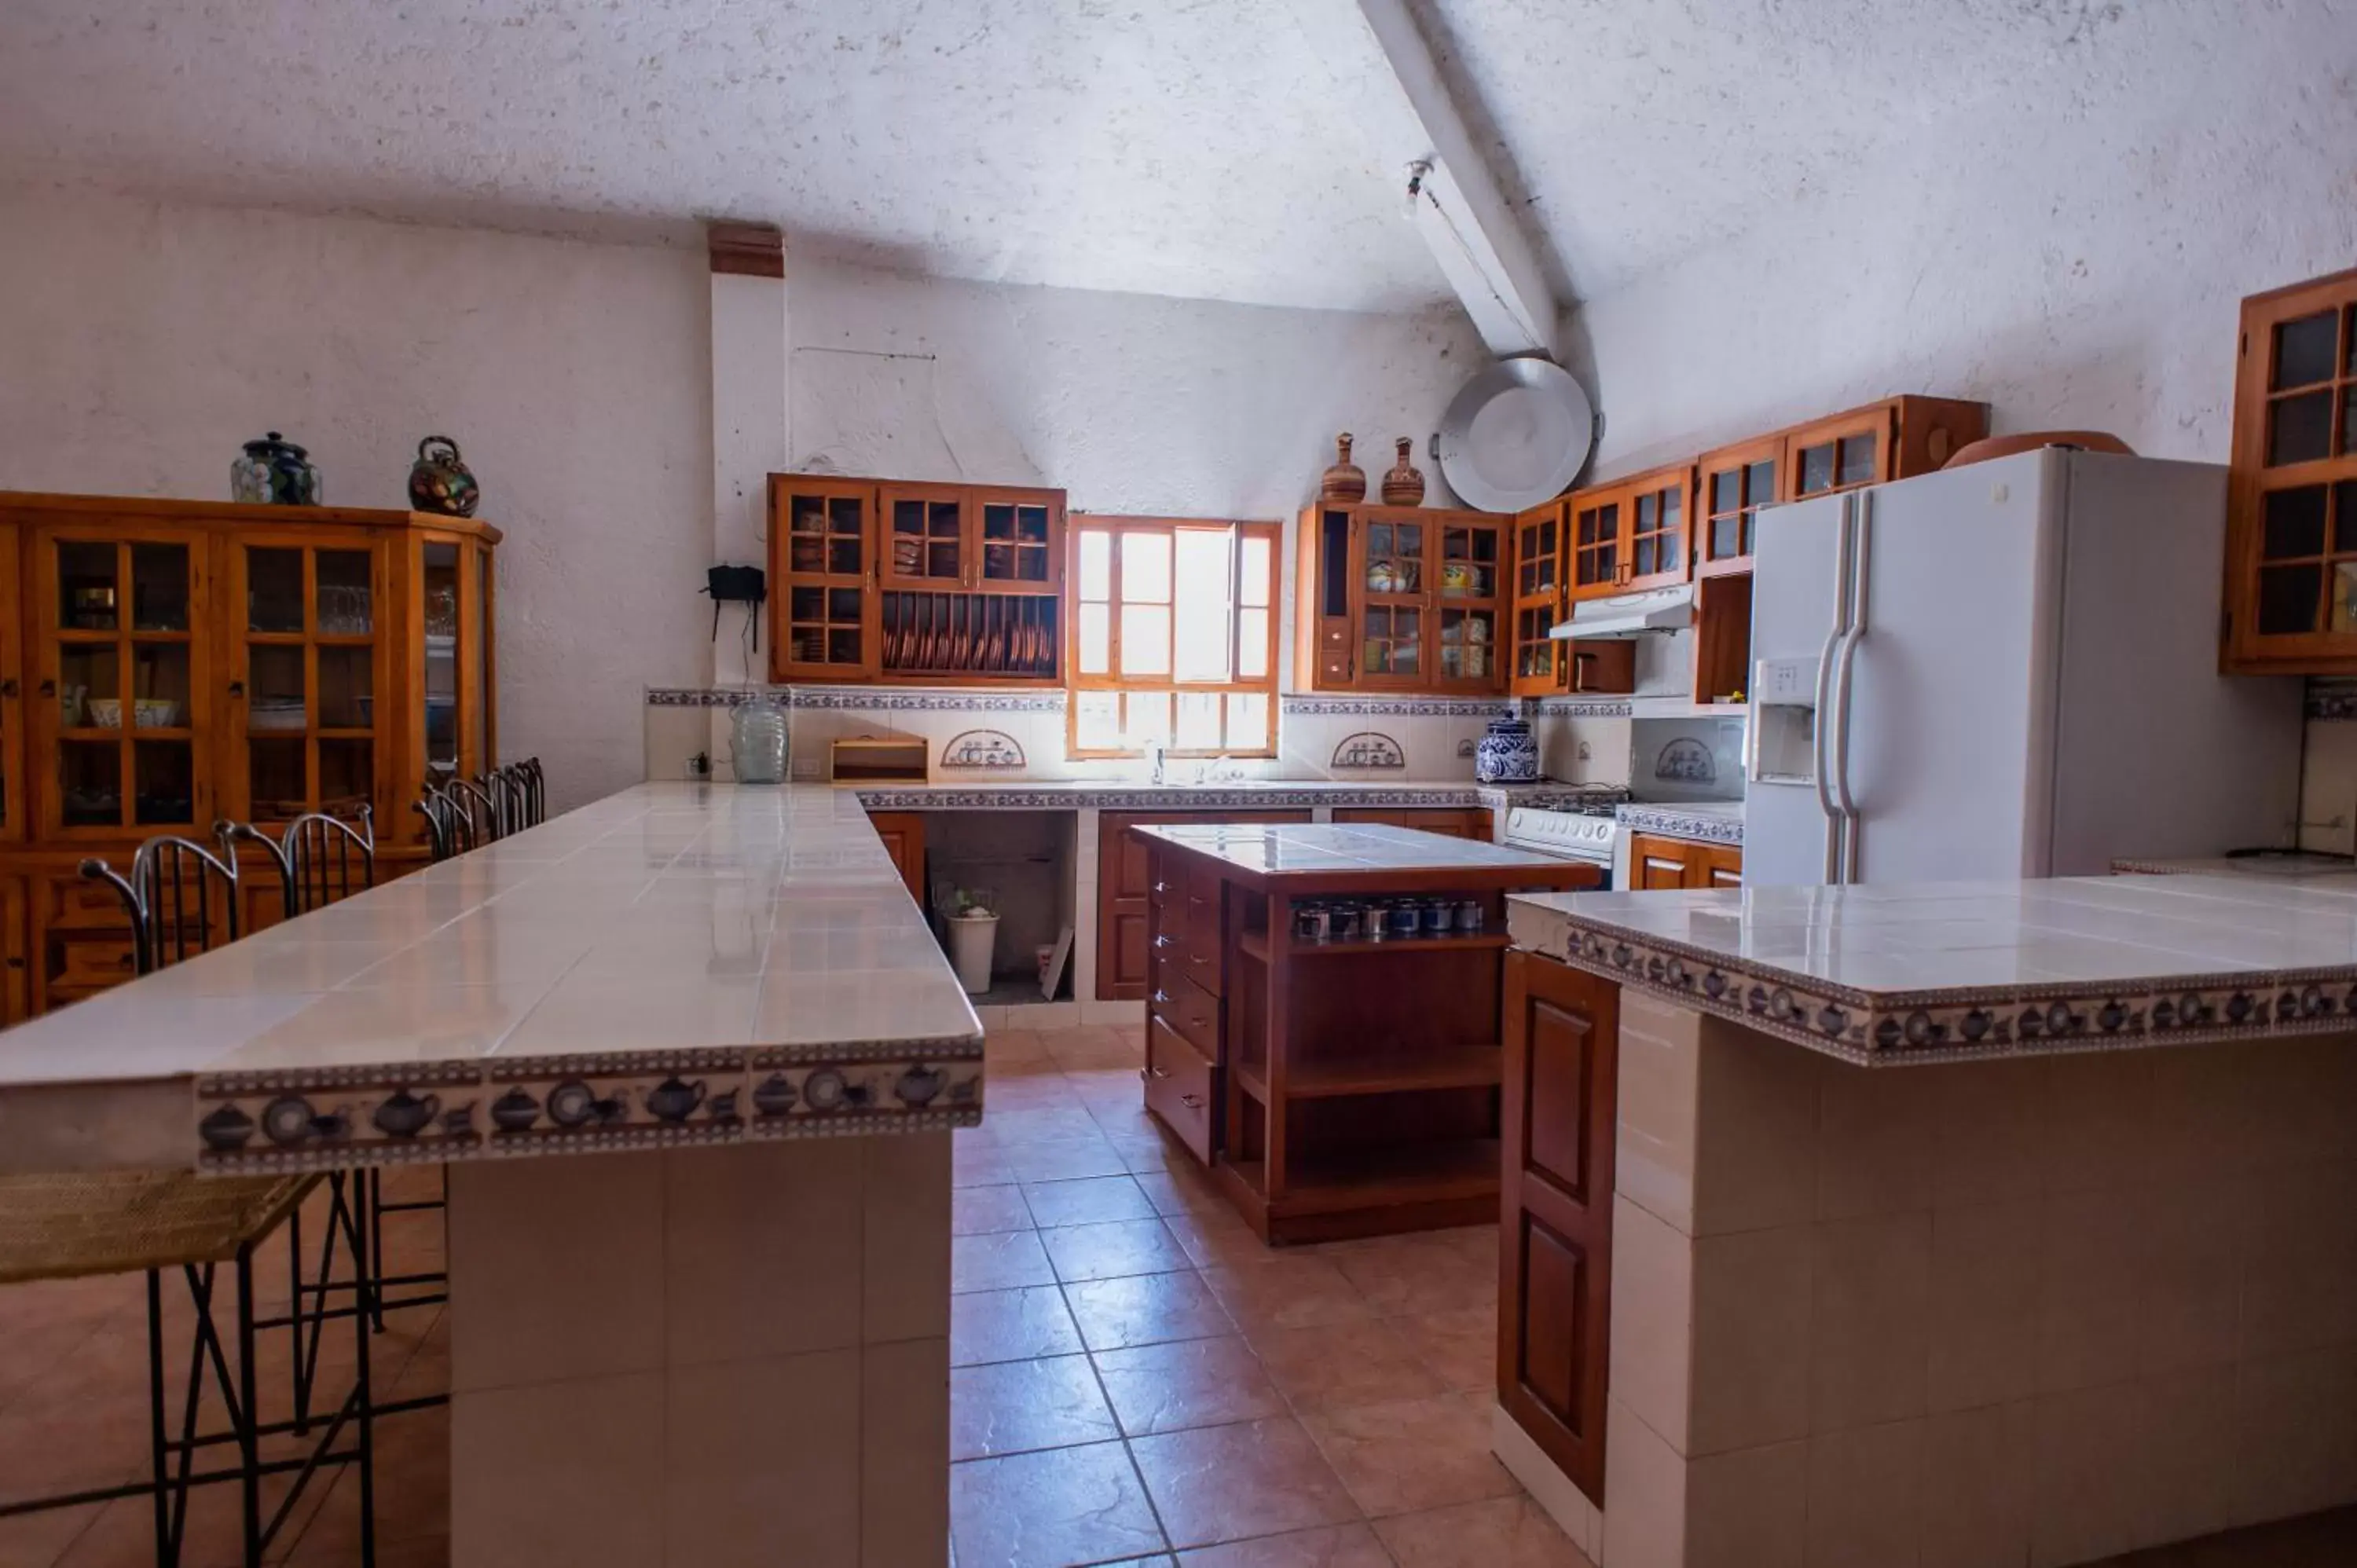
(1162, 888)
(49, 688)
(237, 688)
(1159, 1072)
(1162, 996)
(8, 687)
(1162, 941)
(1191, 1101)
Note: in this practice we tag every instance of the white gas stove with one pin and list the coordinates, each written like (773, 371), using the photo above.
(1586, 832)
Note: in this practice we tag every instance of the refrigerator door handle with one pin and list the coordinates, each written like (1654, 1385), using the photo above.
(1853, 824)
(1836, 837)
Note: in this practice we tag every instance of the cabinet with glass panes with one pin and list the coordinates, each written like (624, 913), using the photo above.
(2291, 577)
(1401, 599)
(882, 579)
(168, 665)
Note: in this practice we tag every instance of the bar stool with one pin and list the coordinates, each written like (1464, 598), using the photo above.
(182, 899)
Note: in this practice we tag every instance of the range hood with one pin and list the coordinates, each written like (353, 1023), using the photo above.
(1630, 615)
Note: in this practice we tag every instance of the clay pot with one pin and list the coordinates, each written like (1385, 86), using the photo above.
(1403, 486)
(1981, 451)
(1345, 481)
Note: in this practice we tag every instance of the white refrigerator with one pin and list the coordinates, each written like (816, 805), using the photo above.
(2009, 670)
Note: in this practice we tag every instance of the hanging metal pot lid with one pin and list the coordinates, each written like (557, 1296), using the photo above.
(1515, 436)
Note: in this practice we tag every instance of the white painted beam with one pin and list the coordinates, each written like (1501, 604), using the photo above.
(1485, 254)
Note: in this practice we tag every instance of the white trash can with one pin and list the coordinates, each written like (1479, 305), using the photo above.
(974, 937)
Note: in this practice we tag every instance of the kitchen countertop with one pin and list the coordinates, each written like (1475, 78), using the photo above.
(1707, 821)
(1956, 970)
(675, 964)
(1280, 850)
(2325, 869)
(1123, 795)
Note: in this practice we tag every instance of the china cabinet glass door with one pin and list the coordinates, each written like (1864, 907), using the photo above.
(827, 562)
(1826, 458)
(1391, 553)
(2296, 440)
(1735, 484)
(1538, 601)
(1656, 513)
(924, 536)
(307, 674)
(1468, 580)
(12, 694)
(1597, 562)
(123, 683)
(454, 611)
(1017, 542)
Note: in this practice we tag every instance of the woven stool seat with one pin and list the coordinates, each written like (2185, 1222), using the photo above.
(115, 1222)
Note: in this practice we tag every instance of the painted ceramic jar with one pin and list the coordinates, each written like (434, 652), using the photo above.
(1508, 754)
(273, 471)
(440, 480)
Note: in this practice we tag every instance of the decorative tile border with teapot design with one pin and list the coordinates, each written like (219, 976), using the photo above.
(1894, 1029)
(1702, 827)
(496, 1108)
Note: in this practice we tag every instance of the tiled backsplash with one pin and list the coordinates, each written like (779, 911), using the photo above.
(1432, 739)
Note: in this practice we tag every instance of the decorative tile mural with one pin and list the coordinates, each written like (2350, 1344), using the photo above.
(985, 750)
(1370, 749)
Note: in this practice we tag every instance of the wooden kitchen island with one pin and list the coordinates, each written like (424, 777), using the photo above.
(1339, 1084)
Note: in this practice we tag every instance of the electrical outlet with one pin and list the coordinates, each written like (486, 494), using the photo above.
(806, 768)
(1587, 752)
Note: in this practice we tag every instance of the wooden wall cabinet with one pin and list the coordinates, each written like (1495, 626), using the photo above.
(881, 580)
(166, 664)
(1545, 666)
(1657, 862)
(1400, 599)
(1554, 1250)
(16, 968)
(2291, 570)
(1631, 534)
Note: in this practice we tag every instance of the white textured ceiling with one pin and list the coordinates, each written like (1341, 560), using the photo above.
(1236, 149)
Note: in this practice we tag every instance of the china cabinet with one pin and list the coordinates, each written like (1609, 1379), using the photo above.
(880, 580)
(1400, 599)
(169, 664)
(1545, 666)
(2291, 581)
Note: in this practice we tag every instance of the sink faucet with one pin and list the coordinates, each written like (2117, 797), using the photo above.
(1155, 751)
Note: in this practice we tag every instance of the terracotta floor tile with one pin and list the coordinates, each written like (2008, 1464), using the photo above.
(1153, 1153)
(1185, 1189)
(1122, 1117)
(975, 1164)
(1043, 1090)
(1017, 1325)
(1230, 1483)
(1412, 1453)
(1069, 1159)
(1218, 1239)
(999, 1261)
(1050, 1509)
(1416, 1274)
(39, 1540)
(1287, 1291)
(981, 1210)
(1188, 1382)
(1106, 1084)
(1332, 1366)
(1505, 1532)
(1340, 1546)
(1146, 1309)
(1094, 1200)
(1013, 1047)
(1053, 1124)
(1460, 1347)
(1112, 1251)
(1011, 1407)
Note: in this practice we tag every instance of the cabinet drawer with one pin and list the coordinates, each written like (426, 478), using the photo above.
(95, 962)
(72, 903)
(1180, 1085)
(1188, 1008)
(1334, 634)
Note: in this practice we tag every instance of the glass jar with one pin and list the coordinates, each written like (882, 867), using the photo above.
(756, 742)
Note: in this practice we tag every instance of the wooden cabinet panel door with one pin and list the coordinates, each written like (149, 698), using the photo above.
(12, 621)
(1125, 962)
(1717, 865)
(903, 834)
(1660, 863)
(1554, 1253)
(15, 978)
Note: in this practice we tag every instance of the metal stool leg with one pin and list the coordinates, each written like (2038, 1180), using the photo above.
(165, 1554)
(248, 1415)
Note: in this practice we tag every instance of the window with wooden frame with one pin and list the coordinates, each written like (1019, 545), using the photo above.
(1174, 637)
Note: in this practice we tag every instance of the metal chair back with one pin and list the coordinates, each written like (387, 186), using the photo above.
(448, 830)
(321, 858)
(535, 791)
(182, 899)
(476, 807)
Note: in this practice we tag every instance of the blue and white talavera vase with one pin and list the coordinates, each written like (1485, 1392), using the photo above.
(1509, 753)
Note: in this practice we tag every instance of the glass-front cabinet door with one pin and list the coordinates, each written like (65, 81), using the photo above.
(307, 673)
(1734, 483)
(824, 565)
(924, 543)
(123, 681)
(11, 693)
(1842, 454)
(1391, 553)
(451, 733)
(1538, 670)
(1020, 540)
(1599, 564)
(1656, 513)
(1467, 580)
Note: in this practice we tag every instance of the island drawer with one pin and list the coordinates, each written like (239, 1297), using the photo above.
(1180, 1086)
(1188, 1008)
(1200, 941)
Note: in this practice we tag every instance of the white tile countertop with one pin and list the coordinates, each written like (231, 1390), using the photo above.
(1707, 821)
(1307, 849)
(1949, 970)
(677, 963)
(1123, 795)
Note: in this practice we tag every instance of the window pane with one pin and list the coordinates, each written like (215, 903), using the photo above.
(1199, 721)
(1145, 639)
(1251, 644)
(1096, 563)
(1149, 718)
(1096, 640)
(1201, 623)
(1247, 722)
(1259, 571)
(1096, 720)
(1146, 568)
(2303, 350)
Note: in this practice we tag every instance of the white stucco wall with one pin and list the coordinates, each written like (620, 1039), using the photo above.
(2073, 257)
(143, 343)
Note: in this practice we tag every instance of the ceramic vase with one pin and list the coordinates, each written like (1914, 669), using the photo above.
(1345, 481)
(1508, 754)
(1403, 486)
(273, 471)
(440, 480)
